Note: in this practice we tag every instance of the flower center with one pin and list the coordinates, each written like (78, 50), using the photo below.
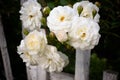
(32, 42)
(49, 61)
(83, 35)
(86, 14)
(31, 16)
(62, 18)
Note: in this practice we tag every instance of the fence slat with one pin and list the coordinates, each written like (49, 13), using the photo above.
(4, 52)
(110, 75)
(82, 64)
(61, 76)
(37, 73)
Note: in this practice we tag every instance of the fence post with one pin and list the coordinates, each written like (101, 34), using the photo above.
(110, 75)
(35, 72)
(4, 52)
(82, 64)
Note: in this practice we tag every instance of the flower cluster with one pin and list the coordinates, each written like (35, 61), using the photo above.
(77, 25)
(34, 48)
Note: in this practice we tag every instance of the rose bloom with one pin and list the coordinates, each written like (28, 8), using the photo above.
(84, 33)
(26, 57)
(53, 60)
(88, 10)
(31, 15)
(34, 43)
(60, 18)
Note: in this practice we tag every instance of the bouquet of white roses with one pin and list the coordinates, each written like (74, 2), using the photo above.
(77, 26)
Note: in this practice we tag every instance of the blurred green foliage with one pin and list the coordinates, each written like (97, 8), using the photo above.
(107, 52)
(97, 66)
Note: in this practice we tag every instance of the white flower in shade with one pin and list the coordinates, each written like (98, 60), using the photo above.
(26, 57)
(87, 9)
(21, 48)
(60, 18)
(53, 61)
(84, 33)
(31, 15)
(35, 42)
(61, 35)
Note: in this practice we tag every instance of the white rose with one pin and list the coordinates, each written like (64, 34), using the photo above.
(60, 18)
(84, 33)
(21, 48)
(35, 42)
(31, 15)
(53, 61)
(61, 35)
(26, 57)
(87, 10)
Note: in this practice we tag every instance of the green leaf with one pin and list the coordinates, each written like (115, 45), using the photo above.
(25, 32)
(94, 12)
(79, 9)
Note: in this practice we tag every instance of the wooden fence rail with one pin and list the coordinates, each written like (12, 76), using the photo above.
(4, 53)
